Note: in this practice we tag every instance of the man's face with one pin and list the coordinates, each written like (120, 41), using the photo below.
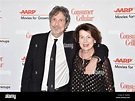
(58, 24)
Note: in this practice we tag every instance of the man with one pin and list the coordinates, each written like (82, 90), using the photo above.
(36, 68)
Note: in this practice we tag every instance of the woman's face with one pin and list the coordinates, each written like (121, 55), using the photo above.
(86, 41)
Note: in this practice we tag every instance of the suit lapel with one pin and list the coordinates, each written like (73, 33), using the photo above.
(43, 48)
(69, 48)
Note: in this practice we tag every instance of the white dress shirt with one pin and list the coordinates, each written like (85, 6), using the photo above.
(61, 67)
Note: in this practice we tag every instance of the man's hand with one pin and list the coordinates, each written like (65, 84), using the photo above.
(90, 68)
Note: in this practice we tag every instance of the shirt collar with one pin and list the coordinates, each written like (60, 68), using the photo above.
(60, 39)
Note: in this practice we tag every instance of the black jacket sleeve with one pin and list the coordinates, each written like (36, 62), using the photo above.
(26, 76)
(101, 51)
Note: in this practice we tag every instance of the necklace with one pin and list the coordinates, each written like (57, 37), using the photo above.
(83, 59)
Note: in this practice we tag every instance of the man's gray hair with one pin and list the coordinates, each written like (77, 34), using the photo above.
(58, 9)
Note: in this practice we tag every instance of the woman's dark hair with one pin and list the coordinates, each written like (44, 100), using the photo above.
(95, 33)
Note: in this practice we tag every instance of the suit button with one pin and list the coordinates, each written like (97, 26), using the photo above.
(35, 72)
(36, 45)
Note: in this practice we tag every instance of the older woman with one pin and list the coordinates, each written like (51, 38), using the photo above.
(99, 79)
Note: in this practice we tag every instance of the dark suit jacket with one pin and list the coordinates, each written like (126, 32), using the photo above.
(35, 62)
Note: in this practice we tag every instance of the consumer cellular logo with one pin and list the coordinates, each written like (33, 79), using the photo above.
(83, 15)
(128, 38)
(32, 15)
(127, 87)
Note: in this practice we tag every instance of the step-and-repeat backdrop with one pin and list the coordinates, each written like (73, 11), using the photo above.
(20, 19)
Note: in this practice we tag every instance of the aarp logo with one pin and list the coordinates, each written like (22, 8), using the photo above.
(27, 12)
(123, 60)
(124, 10)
